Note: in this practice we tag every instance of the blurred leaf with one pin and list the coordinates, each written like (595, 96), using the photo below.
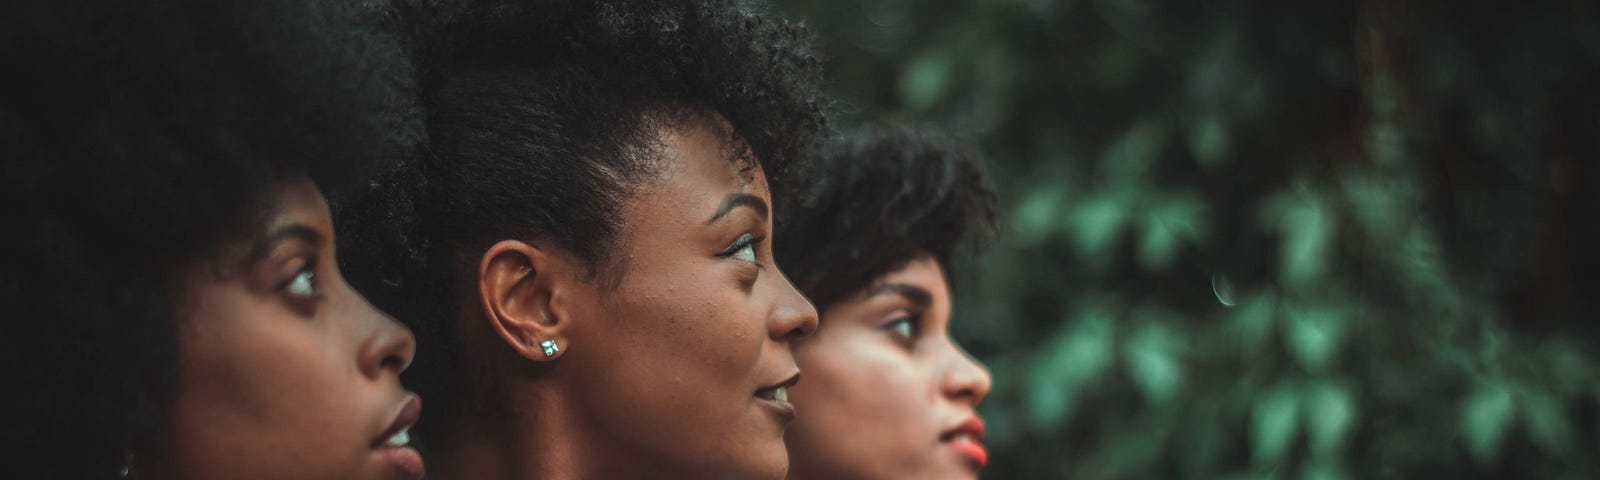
(1314, 334)
(1096, 222)
(1322, 470)
(1306, 231)
(1209, 139)
(1038, 213)
(1151, 356)
(1485, 417)
(1168, 223)
(1377, 205)
(923, 82)
(1274, 423)
(1251, 323)
(1547, 422)
(1128, 159)
(1330, 414)
(1214, 73)
(1073, 357)
(1158, 246)
(1048, 400)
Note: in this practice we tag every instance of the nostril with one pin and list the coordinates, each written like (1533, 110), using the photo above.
(799, 332)
(393, 362)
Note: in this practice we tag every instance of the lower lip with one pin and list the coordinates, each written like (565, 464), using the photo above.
(406, 459)
(970, 449)
(784, 410)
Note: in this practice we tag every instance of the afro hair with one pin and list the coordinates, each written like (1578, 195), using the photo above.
(889, 195)
(542, 119)
(137, 138)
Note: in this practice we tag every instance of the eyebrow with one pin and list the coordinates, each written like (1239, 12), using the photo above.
(915, 294)
(265, 245)
(735, 200)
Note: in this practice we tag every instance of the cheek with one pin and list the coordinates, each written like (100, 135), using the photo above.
(707, 332)
(678, 360)
(864, 401)
(259, 392)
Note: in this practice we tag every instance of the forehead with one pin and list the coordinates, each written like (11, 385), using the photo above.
(922, 271)
(702, 158)
(299, 201)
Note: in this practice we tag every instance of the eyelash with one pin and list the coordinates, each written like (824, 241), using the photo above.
(743, 242)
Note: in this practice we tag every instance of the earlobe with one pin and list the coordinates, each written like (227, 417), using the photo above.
(516, 283)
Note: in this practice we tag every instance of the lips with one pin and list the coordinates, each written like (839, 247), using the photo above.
(967, 440)
(394, 444)
(776, 397)
(410, 412)
(780, 391)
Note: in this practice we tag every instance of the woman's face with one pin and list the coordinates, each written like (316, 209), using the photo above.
(284, 370)
(681, 364)
(888, 394)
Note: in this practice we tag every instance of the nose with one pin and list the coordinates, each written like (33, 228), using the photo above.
(389, 348)
(964, 379)
(793, 316)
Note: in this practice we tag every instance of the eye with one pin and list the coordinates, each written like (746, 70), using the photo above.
(746, 253)
(903, 325)
(302, 285)
(743, 248)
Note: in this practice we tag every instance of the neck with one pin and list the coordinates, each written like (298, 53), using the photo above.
(538, 437)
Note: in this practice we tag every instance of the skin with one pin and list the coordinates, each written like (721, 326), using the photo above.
(658, 373)
(886, 385)
(274, 383)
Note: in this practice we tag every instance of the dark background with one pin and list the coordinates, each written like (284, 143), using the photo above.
(1309, 240)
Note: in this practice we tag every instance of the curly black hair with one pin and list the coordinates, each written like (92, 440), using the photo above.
(543, 119)
(889, 195)
(137, 138)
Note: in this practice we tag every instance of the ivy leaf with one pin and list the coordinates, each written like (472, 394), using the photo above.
(1547, 422)
(1314, 335)
(1485, 417)
(1330, 414)
(1097, 222)
(1306, 229)
(1274, 423)
(1209, 139)
(1072, 358)
(1151, 359)
(1129, 158)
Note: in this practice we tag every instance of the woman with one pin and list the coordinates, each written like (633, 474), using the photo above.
(175, 306)
(588, 238)
(888, 394)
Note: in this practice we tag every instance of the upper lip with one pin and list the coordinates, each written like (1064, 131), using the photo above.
(972, 427)
(410, 411)
(786, 383)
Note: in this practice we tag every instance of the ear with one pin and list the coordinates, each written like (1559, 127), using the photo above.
(518, 284)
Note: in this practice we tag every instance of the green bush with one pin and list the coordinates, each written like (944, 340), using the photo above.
(1313, 240)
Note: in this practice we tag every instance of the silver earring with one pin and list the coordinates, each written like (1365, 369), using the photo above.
(550, 348)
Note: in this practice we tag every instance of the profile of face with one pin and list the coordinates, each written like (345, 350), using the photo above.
(681, 366)
(284, 370)
(888, 394)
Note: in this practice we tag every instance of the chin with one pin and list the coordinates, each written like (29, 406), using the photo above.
(764, 464)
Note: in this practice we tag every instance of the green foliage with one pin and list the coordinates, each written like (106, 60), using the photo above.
(1311, 240)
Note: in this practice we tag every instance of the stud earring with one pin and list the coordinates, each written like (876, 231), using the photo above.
(550, 348)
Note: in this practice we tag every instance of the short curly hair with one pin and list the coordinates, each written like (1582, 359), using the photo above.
(889, 195)
(137, 139)
(543, 119)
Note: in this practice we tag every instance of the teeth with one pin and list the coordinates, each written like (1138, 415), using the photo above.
(400, 439)
(781, 394)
